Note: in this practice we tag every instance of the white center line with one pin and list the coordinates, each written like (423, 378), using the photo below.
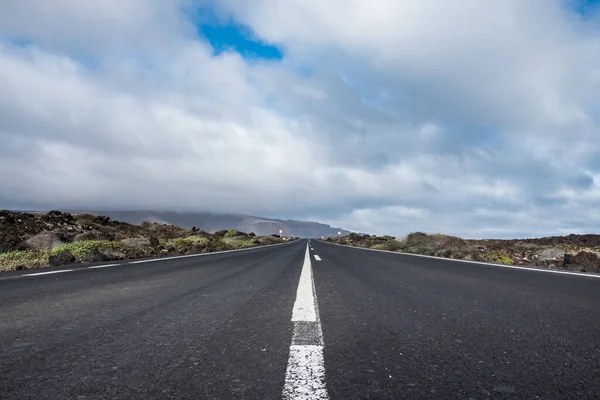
(304, 307)
(305, 374)
(317, 257)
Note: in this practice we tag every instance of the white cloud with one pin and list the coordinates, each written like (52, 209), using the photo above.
(511, 61)
(102, 28)
(460, 117)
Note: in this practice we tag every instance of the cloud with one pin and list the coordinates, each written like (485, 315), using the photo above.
(98, 28)
(464, 118)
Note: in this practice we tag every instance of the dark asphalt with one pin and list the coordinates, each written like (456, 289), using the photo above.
(212, 327)
(218, 327)
(398, 326)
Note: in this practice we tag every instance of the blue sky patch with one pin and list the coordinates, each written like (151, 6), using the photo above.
(240, 39)
(226, 34)
(585, 7)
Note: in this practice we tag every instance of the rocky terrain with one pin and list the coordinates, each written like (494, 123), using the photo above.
(213, 222)
(34, 240)
(572, 252)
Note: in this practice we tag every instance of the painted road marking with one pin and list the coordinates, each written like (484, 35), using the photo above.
(317, 257)
(305, 374)
(49, 272)
(304, 307)
(155, 260)
(101, 266)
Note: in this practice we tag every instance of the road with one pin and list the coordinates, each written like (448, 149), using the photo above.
(282, 321)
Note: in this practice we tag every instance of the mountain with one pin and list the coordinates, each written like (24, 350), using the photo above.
(212, 222)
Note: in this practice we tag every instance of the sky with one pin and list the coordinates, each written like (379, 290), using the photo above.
(471, 118)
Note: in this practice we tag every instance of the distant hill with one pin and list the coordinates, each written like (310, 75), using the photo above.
(212, 222)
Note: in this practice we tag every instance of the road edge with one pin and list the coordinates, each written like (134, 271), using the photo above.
(117, 263)
(532, 269)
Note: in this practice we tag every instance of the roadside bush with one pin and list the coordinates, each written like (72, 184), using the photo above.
(233, 233)
(81, 249)
(17, 260)
(130, 247)
(220, 245)
(266, 240)
(191, 241)
(437, 245)
(389, 245)
(243, 244)
(498, 258)
(354, 237)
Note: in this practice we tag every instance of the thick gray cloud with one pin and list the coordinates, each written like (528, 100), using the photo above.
(458, 117)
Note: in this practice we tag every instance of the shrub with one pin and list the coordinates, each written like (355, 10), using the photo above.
(353, 236)
(266, 240)
(389, 245)
(232, 233)
(243, 244)
(81, 249)
(191, 241)
(16, 260)
(220, 245)
(436, 245)
(498, 258)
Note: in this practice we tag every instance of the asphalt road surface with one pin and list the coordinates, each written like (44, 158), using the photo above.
(293, 322)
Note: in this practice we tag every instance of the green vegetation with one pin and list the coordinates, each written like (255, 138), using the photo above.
(81, 249)
(438, 245)
(35, 259)
(191, 241)
(28, 240)
(232, 233)
(389, 245)
(19, 259)
(243, 244)
(220, 245)
(498, 258)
